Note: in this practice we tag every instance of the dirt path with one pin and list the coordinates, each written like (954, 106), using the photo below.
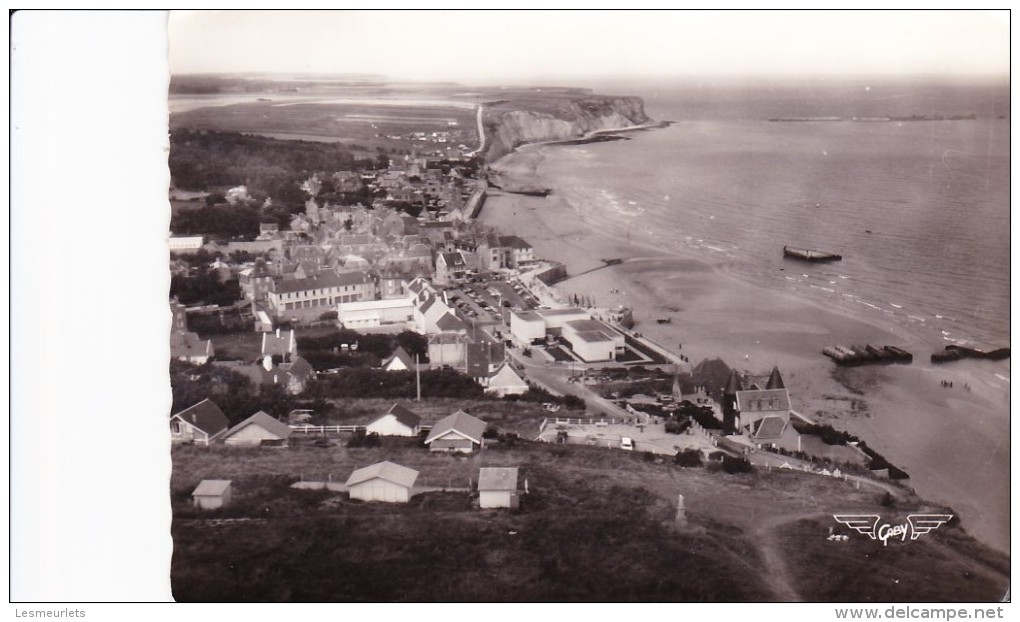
(778, 576)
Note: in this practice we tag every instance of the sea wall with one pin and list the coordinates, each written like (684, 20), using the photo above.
(506, 129)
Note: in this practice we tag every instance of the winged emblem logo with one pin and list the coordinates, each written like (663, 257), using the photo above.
(871, 525)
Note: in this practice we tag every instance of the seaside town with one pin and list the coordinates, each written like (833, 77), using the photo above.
(351, 341)
(673, 309)
(373, 288)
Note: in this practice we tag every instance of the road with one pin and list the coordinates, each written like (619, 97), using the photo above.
(554, 378)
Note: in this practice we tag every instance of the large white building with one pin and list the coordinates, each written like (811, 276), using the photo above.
(527, 326)
(375, 313)
(591, 340)
(182, 244)
(308, 298)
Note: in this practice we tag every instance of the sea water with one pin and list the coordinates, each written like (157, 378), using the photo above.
(919, 209)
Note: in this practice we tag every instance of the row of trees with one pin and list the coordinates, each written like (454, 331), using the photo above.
(204, 287)
(364, 382)
(201, 159)
(832, 436)
(333, 349)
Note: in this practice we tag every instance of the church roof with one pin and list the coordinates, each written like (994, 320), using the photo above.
(775, 380)
(733, 385)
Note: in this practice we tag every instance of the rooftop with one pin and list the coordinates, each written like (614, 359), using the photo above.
(386, 470)
(460, 421)
(264, 421)
(764, 400)
(206, 416)
(211, 487)
(497, 478)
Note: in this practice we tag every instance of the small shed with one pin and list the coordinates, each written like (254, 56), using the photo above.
(383, 481)
(397, 421)
(497, 488)
(259, 429)
(211, 494)
(459, 432)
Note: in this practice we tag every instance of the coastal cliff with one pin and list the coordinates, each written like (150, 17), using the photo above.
(508, 125)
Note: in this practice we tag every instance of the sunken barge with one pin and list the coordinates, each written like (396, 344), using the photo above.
(805, 254)
(867, 355)
(955, 353)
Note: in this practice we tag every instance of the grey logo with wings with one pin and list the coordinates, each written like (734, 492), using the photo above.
(916, 526)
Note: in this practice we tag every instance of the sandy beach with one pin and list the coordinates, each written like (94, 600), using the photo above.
(954, 443)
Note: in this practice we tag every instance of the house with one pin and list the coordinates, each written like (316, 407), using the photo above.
(774, 432)
(185, 345)
(482, 358)
(420, 289)
(294, 376)
(449, 322)
(459, 432)
(497, 488)
(754, 405)
(505, 381)
(391, 284)
(450, 267)
(258, 430)
(203, 424)
(500, 252)
(400, 360)
(281, 343)
(211, 494)
(256, 282)
(383, 481)
(757, 404)
(397, 421)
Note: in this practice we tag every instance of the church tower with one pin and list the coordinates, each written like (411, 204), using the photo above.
(729, 405)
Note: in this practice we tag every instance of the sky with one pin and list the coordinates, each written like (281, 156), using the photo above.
(486, 47)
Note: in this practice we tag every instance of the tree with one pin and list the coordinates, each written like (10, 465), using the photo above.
(414, 344)
(732, 464)
(688, 458)
(572, 402)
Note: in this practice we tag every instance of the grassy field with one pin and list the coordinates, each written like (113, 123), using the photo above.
(598, 525)
(361, 124)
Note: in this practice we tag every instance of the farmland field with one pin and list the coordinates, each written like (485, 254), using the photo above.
(597, 525)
